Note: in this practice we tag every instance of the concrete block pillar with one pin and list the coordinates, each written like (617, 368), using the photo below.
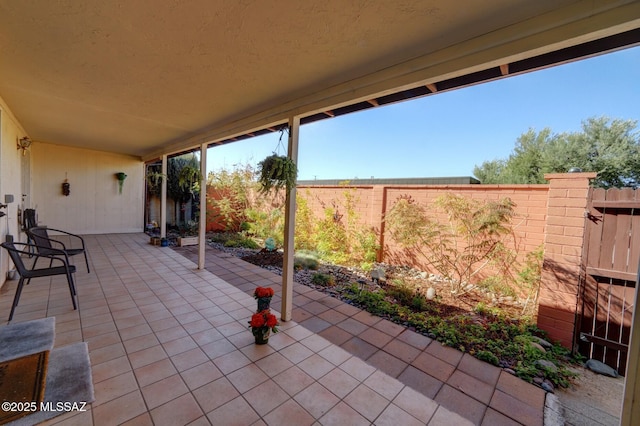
(563, 242)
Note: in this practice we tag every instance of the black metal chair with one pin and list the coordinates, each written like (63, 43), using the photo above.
(16, 250)
(47, 245)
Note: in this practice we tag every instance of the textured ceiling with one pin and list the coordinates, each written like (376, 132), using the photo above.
(140, 77)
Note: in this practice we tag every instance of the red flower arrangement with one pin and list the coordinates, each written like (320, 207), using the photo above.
(261, 292)
(263, 319)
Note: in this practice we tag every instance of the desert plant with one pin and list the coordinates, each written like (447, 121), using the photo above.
(230, 195)
(305, 259)
(470, 238)
(324, 280)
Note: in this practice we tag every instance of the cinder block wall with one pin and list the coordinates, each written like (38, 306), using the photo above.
(564, 238)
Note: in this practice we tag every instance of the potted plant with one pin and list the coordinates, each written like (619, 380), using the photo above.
(276, 172)
(262, 324)
(121, 176)
(263, 295)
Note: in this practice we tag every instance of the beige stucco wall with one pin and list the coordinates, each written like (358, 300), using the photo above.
(11, 161)
(94, 205)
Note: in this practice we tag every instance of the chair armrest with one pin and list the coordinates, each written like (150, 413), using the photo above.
(30, 253)
(66, 233)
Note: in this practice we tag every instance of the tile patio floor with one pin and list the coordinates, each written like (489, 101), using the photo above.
(169, 345)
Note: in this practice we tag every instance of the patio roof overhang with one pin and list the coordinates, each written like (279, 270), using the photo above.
(148, 79)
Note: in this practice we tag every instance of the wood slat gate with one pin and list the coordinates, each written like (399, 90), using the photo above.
(609, 271)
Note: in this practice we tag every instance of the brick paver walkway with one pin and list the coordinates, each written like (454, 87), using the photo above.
(478, 391)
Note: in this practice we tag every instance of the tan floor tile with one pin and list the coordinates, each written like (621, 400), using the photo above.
(247, 378)
(107, 353)
(293, 380)
(178, 346)
(147, 356)
(518, 410)
(434, 366)
(317, 400)
(171, 333)
(265, 397)
(163, 391)
(114, 387)
(402, 350)
(141, 342)
(461, 404)
(316, 366)
(342, 414)
(231, 362)
(315, 342)
(274, 364)
(215, 394)
(296, 352)
(421, 381)
(521, 390)
(110, 369)
(103, 340)
(384, 385)
(387, 363)
(444, 353)
(357, 368)
(493, 418)
(394, 416)
(366, 402)
(135, 331)
(339, 382)
(479, 369)
(141, 420)
(179, 411)
(154, 372)
(234, 412)
(289, 413)
(416, 404)
(353, 326)
(471, 386)
(200, 375)
(218, 348)
(120, 409)
(444, 417)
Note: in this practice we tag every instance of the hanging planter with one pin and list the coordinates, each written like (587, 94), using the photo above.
(277, 172)
(121, 176)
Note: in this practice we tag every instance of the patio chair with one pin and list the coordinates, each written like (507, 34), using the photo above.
(16, 250)
(47, 245)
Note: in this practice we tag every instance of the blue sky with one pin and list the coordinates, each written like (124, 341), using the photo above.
(449, 133)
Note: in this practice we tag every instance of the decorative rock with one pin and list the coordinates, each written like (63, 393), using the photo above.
(538, 380)
(377, 274)
(510, 371)
(547, 365)
(431, 293)
(547, 386)
(542, 342)
(537, 346)
(600, 368)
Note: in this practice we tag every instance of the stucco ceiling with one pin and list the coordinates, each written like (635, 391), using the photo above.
(145, 77)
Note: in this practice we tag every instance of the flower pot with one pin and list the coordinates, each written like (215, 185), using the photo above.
(264, 303)
(261, 335)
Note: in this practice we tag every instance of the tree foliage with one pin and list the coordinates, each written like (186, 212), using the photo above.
(609, 147)
(470, 236)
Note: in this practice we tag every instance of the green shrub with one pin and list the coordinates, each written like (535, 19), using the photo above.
(306, 260)
(324, 280)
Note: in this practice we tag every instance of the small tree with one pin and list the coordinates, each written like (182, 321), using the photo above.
(472, 236)
(230, 195)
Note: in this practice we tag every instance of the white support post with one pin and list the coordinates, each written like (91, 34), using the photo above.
(202, 240)
(631, 402)
(289, 226)
(163, 199)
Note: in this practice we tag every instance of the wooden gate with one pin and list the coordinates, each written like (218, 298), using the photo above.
(609, 271)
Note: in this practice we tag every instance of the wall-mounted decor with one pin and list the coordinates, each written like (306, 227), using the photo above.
(23, 144)
(121, 176)
(66, 188)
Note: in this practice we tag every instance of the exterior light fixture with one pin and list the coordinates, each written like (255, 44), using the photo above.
(23, 144)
